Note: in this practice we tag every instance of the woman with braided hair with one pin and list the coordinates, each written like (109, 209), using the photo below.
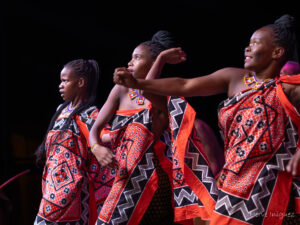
(148, 179)
(134, 124)
(73, 184)
(260, 123)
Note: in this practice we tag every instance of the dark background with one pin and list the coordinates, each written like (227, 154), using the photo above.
(37, 39)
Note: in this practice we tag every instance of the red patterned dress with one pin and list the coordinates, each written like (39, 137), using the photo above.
(260, 138)
(73, 183)
(177, 189)
(138, 179)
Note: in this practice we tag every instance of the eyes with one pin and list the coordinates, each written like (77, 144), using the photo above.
(136, 57)
(64, 82)
(253, 44)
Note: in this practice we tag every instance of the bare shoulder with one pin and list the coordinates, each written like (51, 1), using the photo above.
(231, 73)
(235, 72)
(119, 90)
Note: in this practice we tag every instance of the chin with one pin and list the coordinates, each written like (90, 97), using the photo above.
(247, 66)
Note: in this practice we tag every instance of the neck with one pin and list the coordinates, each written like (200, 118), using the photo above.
(268, 73)
(77, 101)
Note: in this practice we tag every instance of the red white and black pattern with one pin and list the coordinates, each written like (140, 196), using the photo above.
(70, 173)
(194, 186)
(132, 141)
(260, 141)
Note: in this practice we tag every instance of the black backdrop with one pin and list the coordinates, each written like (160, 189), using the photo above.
(37, 39)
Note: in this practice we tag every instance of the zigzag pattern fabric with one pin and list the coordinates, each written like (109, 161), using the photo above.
(136, 179)
(253, 186)
(194, 186)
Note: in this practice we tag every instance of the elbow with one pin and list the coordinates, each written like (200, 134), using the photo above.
(183, 88)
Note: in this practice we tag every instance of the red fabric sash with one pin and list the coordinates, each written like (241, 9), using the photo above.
(290, 110)
(188, 156)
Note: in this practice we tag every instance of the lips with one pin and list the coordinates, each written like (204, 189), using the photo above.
(130, 70)
(247, 58)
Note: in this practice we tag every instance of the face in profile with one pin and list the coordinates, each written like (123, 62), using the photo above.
(69, 84)
(141, 61)
(258, 55)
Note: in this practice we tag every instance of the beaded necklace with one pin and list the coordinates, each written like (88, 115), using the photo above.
(250, 79)
(136, 94)
(68, 110)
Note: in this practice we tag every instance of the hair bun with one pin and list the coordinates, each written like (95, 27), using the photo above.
(286, 21)
(164, 38)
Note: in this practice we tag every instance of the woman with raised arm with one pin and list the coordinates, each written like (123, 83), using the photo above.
(141, 193)
(260, 123)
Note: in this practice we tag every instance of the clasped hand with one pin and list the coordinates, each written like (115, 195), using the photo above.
(123, 76)
(104, 156)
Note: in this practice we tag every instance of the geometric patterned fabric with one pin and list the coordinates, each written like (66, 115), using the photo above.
(193, 183)
(136, 178)
(73, 183)
(259, 141)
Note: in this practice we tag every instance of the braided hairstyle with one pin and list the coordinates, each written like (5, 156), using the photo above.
(160, 41)
(285, 36)
(89, 70)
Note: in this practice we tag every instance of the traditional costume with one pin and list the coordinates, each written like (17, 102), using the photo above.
(137, 179)
(258, 125)
(141, 193)
(73, 183)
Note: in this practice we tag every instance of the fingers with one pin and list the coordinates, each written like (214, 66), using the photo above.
(120, 69)
(119, 73)
(293, 165)
(173, 55)
(119, 76)
(289, 166)
(117, 79)
(103, 155)
(108, 161)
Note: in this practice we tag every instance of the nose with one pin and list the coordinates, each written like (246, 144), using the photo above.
(247, 49)
(60, 86)
(130, 63)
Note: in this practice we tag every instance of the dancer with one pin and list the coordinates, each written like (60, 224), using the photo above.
(258, 123)
(135, 134)
(73, 186)
(132, 135)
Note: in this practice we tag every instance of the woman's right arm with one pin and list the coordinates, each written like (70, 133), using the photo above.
(103, 154)
(215, 83)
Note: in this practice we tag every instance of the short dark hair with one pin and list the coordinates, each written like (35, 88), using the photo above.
(285, 36)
